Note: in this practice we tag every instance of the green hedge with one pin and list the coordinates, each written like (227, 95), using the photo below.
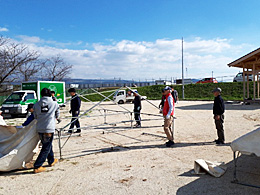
(230, 91)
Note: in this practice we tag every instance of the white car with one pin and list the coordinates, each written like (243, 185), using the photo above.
(122, 97)
(239, 77)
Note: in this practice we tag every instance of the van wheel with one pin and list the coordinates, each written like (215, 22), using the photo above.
(120, 102)
(235, 81)
(13, 115)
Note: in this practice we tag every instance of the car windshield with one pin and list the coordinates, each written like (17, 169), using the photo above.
(15, 97)
(120, 93)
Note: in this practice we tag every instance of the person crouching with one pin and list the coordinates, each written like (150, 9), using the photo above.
(168, 112)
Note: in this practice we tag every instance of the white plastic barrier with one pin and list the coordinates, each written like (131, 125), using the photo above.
(248, 143)
(17, 146)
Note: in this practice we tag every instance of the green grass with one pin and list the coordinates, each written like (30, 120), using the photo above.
(230, 91)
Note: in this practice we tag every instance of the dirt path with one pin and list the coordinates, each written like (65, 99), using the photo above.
(135, 161)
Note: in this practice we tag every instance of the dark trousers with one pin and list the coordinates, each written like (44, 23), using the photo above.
(74, 116)
(220, 128)
(138, 117)
(46, 151)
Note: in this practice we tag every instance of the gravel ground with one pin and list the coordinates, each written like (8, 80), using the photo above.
(116, 159)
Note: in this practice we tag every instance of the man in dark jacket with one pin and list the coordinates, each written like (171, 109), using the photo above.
(137, 109)
(75, 104)
(218, 111)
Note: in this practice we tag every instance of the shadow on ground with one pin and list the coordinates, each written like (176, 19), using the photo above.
(248, 172)
(209, 106)
(130, 146)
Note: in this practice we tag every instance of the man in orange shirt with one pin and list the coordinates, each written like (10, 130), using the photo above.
(168, 112)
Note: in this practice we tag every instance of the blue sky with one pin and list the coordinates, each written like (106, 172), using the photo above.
(102, 33)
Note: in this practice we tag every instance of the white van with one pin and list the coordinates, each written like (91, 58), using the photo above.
(239, 77)
(122, 97)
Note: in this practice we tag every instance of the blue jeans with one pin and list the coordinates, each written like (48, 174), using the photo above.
(46, 151)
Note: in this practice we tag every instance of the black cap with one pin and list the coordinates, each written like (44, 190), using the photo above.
(45, 92)
(29, 106)
(217, 90)
(72, 90)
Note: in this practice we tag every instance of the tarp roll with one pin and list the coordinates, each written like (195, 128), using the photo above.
(17, 146)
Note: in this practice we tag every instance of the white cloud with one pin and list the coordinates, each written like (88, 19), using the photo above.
(3, 29)
(140, 60)
(29, 40)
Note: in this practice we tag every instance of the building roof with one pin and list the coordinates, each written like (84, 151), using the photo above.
(248, 60)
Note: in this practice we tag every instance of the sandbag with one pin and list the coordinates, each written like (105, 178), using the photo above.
(215, 169)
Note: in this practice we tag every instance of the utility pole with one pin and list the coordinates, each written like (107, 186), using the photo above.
(212, 74)
(183, 96)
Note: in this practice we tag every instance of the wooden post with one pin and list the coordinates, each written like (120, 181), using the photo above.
(254, 79)
(257, 77)
(247, 78)
(244, 83)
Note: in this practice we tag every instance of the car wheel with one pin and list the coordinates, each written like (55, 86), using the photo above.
(13, 115)
(234, 81)
(120, 102)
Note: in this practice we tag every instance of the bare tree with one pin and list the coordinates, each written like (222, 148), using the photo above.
(3, 40)
(56, 69)
(30, 70)
(12, 57)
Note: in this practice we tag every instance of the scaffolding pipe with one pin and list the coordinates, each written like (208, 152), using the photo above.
(144, 99)
(111, 100)
(81, 116)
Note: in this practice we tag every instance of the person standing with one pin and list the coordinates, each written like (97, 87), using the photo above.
(75, 104)
(162, 101)
(175, 95)
(168, 112)
(218, 111)
(53, 96)
(46, 111)
(30, 115)
(137, 109)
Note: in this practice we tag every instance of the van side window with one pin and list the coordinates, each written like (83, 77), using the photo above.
(29, 96)
(120, 93)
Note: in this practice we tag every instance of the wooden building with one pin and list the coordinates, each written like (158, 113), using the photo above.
(250, 64)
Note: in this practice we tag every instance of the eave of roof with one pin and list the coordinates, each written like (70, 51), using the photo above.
(250, 57)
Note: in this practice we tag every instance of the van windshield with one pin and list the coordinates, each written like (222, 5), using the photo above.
(17, 96)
